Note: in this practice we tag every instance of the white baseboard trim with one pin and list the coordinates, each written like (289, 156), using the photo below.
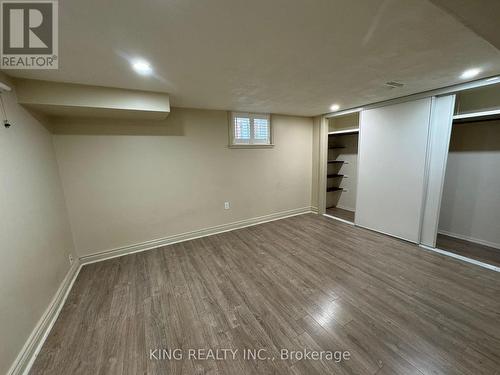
(148, 245)
(33, 345)
(314, 210)
(31, 348)
(460, 257)
(470, 239)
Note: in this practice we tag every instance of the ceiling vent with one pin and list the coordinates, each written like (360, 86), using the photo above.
(394, 84)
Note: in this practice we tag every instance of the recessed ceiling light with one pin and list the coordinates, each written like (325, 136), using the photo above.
(142, 67)
(334, 107)
(470, 73)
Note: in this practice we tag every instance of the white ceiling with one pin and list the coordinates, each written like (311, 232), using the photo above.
(280, 56)
(481, 16)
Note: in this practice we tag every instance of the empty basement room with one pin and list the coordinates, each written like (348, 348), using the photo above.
(250, 187)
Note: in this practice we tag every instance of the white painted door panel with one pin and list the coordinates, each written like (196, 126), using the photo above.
(392, 157)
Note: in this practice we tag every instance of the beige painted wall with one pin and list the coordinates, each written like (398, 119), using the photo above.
(35, 237)
(470, 205)
(130, 182)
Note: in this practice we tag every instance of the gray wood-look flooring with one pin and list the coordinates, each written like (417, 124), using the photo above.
(485, 254)
(341, 213)
(305, 282)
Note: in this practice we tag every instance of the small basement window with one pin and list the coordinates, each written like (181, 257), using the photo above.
(250, 130)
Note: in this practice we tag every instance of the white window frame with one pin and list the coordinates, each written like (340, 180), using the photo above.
(252, 142)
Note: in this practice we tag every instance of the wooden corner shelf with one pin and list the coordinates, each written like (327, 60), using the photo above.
(334, 189)
(336, 161)
(334, 175)
(335, 147)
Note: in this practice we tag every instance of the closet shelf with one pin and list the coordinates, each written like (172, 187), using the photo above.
(344, 132)
(336, 161)
(481, 115)
(335, 147)
(333, 175)
(334, 189)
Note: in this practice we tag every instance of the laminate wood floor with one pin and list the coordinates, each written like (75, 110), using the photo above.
(305, 282)
(485, 254)
(341, 213)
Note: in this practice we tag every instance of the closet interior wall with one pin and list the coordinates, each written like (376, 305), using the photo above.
(469, 221)
(342, 166)
(470, 207)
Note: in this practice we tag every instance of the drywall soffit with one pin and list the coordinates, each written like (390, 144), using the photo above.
(67, 99)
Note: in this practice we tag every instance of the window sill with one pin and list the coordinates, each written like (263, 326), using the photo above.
(251, 146)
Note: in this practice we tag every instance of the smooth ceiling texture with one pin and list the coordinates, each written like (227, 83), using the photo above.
(479, 15)
(281, 56)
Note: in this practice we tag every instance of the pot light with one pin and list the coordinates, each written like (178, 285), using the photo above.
(142, 67)
(334, 107)
(470, 73)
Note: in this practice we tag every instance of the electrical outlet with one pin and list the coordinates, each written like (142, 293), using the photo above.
(71, 259)
(227, 206)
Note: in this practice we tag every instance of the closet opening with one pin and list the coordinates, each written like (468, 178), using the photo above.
(341, 172)
(469, 220)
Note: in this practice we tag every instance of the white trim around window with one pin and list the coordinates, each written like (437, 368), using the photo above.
(250, 130)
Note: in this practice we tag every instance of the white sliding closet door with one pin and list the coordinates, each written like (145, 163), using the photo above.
(439, 143)
(392, 159)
